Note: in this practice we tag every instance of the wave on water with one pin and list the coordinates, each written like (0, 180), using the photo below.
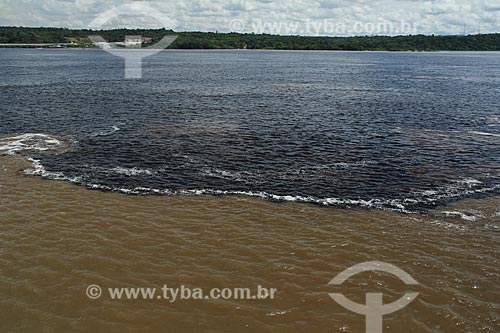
(494, 119)
(246, 177)
(131, 171)
(467, 216)
(383, 204)
(113, 130)
(485, 134)
(39, 170)
(37, 143)
(29, 143)
(40, 144)
(457, 189)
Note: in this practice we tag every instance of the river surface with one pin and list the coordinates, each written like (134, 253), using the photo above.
(239, 169)
(400, 131)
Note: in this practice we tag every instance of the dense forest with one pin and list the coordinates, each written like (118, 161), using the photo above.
(208, 40)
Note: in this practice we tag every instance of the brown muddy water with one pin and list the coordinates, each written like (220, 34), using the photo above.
(58, 238)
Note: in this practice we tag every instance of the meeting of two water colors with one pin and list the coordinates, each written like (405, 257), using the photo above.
(398, 131)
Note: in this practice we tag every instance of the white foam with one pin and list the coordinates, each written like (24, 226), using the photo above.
(492, 227)
(39, 170)
(223, 174)
(378, 203)
(448, 225)
(458, 188)
(131, 171)
(485, 134)
(462, 215)
(42, 142)
(429, 193)
(400, 205)
(325, 168)
(28, 142)
(469, 182)
(353, 164)
(113, 130)
(494, 119)
(277, 313)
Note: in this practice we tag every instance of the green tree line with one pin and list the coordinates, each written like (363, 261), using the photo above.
(208, 40)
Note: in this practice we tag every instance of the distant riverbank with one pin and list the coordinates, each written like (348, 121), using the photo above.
(73, 38)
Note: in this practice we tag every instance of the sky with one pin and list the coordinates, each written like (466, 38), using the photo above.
(286, 17)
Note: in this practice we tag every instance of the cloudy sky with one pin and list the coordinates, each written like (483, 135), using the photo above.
(304, 17)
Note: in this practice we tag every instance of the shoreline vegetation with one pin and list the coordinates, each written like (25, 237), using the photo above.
(24, 37)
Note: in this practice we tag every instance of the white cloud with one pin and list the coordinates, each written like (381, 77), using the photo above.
(437, 16)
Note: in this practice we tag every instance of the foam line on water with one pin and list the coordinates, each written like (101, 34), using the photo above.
(113, 130)
(29, 142)
(485, 134)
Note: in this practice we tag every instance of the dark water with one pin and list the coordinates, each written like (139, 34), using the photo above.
(386, 130)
